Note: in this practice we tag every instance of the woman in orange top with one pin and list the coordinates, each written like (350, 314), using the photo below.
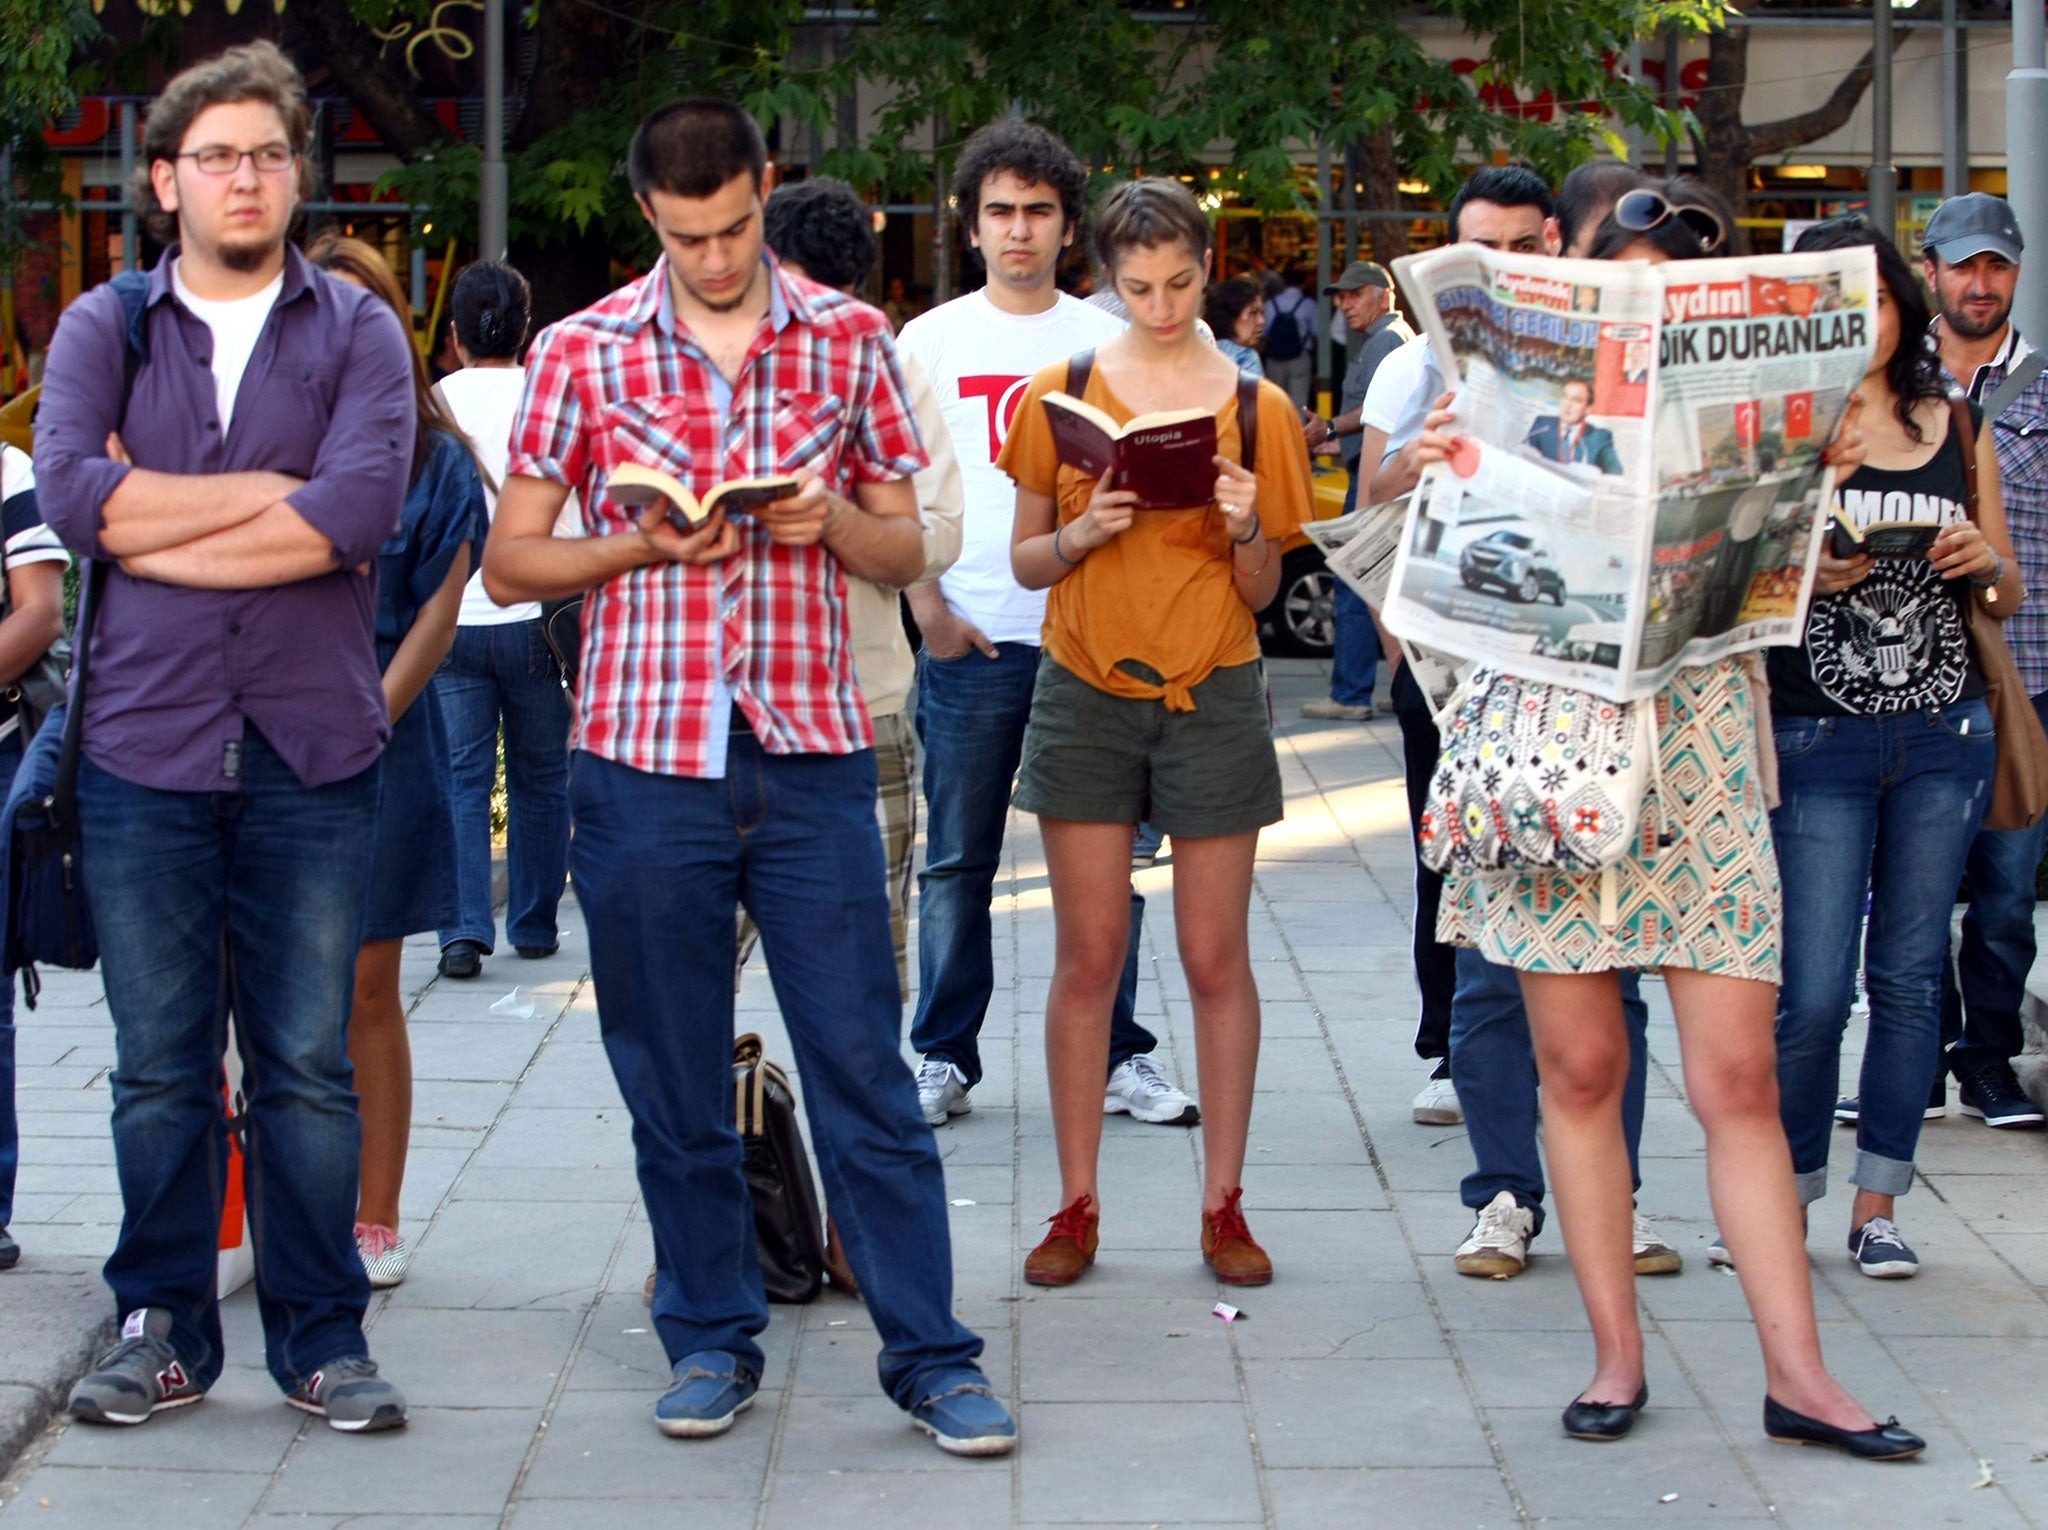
(1150, 705)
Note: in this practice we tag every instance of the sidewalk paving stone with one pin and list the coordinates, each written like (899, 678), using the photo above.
(1370, 1384)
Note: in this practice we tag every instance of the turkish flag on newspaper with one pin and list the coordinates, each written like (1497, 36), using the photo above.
(1798, 416)
(1745, 422)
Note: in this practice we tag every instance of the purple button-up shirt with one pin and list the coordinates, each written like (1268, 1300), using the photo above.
(177, 674)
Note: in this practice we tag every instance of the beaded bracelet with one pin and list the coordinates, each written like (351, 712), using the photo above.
(1064, 559)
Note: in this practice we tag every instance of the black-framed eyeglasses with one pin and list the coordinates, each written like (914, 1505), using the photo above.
(1641, 211)
(219, 159)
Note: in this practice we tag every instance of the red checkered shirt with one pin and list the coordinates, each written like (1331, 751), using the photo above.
(825, 392)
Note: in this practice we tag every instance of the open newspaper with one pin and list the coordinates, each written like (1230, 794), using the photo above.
(1361, 548)
(1636, 483)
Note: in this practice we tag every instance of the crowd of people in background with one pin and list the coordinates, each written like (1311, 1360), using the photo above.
(331, 589)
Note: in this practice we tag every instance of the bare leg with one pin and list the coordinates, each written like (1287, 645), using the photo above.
(1212, 889)
(1089, 866)
(1725, 1030)
(382, 1057)
(1582, 1062)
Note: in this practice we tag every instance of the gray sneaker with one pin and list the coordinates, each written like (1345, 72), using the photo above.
(139, 1376)
(1138, 1087)
(351, 1396)
(941, 1090)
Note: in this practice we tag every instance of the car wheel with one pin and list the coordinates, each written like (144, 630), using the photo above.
(1530, 590)
(1301, 622)
(1557, 594)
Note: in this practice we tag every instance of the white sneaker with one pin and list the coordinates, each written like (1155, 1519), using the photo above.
(1137, 1086)
(1653, 1255)
(1499, 1242)
(1437, 1105)
(1718, 1257)
(941, 1090)
(385, 1255)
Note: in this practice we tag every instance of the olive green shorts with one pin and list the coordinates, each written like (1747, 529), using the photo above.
(1091, 757)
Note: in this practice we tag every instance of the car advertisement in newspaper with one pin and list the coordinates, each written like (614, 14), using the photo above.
(1635, 482)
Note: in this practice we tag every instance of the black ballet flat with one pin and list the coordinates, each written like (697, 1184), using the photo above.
(1604, 1421)
(1886, 1442)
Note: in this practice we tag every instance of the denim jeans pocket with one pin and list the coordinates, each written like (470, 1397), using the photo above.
(1969, 719)
(966, 653)
(1795, 737)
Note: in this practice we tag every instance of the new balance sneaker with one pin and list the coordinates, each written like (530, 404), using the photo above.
(964, 1416)
(139, 1376)
(1878, 1251)
(385, 1255)
(1136, 1086)
(1991, 1092)
(941, 1090)
(351, 1396)
(1653, 1255)
(707, 1391)
(1498, 1245)
(1437, 1105)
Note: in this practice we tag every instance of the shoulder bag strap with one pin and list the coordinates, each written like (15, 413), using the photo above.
(2015, 384)
(1966, 439)
(1080, 367)
(475, 458)
(1248, 419)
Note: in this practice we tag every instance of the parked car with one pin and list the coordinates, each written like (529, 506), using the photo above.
(1301, 623)
(1515, 562)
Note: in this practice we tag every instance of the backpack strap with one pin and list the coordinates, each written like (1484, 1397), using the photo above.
(1080, 367)
(1248, 419)
(132, 288)
(1966, 442)
(2016, 383)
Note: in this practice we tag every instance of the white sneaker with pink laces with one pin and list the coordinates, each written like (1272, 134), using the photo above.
(385, 1255)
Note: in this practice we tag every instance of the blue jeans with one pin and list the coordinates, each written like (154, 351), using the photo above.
(506, 672)
(1889, 805)
(1493, 1068)
(10, 1126)
(661, 862)
(971, 713)
(1998, 944)
(249, 901)
(1355, 664)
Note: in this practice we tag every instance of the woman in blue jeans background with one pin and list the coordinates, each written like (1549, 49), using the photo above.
(501, 669)
(1885, 756)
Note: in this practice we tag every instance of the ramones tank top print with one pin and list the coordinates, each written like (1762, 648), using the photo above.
(1894, 642)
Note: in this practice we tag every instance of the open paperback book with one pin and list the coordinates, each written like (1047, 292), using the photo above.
(1636, 480)
(1166, 458)
(632, 484)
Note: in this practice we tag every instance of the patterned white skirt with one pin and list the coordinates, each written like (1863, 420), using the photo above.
(1707, 901)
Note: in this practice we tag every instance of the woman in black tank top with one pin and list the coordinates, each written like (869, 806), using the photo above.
(1885, 755)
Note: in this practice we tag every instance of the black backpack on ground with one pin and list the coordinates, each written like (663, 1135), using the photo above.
(789, 1226)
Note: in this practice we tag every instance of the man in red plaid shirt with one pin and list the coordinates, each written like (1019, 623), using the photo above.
(724, 756)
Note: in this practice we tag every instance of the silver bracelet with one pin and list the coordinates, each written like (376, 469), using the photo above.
(1997, 573)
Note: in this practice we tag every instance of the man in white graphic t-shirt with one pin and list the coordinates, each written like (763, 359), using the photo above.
(1021, 194)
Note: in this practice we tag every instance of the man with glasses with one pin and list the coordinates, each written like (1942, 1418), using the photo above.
(233, 453)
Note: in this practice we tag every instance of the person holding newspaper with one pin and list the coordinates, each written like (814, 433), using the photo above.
(1886, 750)
(1704, 910)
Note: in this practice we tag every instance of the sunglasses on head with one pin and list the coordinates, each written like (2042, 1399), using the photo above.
(1641, 211)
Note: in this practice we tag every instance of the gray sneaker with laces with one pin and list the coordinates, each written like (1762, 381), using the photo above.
(941, 1090)
(1138, 1087)
(139, 1376)
(351, 1396)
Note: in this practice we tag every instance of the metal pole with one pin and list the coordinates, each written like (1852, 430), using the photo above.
(1884, 179)
(1633, 137)
(419, 280)
(1671, 68)
(942, 216)
(131, 228)
(1324, 212)
(2026, 160)
(1955, 147)
(494, 190)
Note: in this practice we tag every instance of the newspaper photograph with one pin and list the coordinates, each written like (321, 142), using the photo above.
(1636, 482)
(1360, 549)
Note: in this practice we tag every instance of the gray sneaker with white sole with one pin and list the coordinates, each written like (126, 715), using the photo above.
(351, 1396)
(139, 1376)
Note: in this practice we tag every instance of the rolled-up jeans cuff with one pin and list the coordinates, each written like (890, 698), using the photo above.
(1811, 1185)
(1880, 1175)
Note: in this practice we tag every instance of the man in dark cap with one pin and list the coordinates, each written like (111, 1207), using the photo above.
(1972, 248)
(1365, 295)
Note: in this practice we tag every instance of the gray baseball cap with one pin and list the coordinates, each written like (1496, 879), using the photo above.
(1968, 225)
(1361, 273)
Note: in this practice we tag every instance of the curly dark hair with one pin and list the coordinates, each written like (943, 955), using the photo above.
(256, 71)
(822, 225)
(1914, 372)
(1028, 152)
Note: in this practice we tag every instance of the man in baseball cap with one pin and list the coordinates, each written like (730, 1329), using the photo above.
(1972, 247)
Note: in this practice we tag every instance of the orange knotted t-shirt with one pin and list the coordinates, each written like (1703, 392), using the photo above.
(1159, 594)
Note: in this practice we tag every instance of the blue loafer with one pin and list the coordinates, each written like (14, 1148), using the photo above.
(964, 1416)
(711, 1389)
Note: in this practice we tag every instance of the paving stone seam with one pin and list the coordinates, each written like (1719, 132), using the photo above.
(1015, 1304)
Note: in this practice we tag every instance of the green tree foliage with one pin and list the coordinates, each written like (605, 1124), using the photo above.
(39, 80)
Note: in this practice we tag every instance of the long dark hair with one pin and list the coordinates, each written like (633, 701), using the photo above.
(1914, 373)
(353, 258)
(1226, 303)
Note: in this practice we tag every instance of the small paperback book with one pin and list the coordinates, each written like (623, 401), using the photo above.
(1164, 457)
(638, 486)
(1880, 539)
